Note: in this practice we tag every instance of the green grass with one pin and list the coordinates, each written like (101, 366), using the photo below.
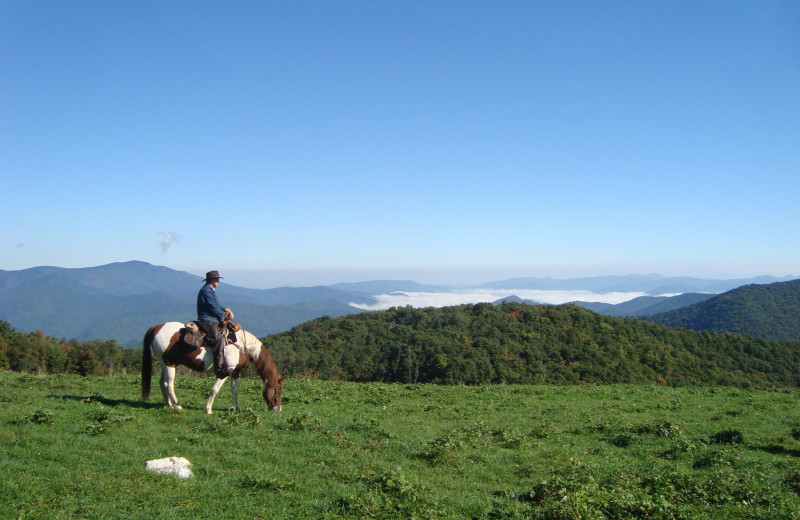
(76, 448)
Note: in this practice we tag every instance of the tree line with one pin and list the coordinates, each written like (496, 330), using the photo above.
(467, 344)
(531, 344)
(765, 311)
(37, 353)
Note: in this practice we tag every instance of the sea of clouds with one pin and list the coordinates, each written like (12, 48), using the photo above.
(459, 297)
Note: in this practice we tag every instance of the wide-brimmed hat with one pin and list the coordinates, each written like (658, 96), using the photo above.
(212, 276)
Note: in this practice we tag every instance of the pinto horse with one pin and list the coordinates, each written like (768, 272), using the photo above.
(166, 342)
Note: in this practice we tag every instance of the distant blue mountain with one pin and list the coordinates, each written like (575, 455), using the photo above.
(119, 279)
(645, 305)
(514, 299)
(388, 286)
(133, 278)
(641, 306)
(652, 284)
(120, 301)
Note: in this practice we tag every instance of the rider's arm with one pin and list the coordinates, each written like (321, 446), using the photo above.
(210, 305)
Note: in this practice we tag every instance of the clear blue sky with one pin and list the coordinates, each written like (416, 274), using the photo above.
(313, 142)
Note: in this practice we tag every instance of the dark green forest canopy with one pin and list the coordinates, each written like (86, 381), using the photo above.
(518, 343)
(468, 344)
(769, 311)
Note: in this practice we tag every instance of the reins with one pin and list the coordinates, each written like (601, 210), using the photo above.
(226, 336)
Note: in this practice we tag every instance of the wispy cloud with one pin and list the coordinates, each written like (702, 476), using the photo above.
(169, 238)
(443, 299)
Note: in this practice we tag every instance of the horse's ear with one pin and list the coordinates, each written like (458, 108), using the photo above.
(280, 381)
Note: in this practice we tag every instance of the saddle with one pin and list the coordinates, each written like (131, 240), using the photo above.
(195, 336)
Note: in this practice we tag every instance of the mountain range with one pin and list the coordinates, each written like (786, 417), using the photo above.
(652, 284)
(646, 305)
(120, 301)
(769, 311)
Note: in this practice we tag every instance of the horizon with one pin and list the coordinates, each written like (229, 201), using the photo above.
(314, 143)
(269, 279)
(263, 280)
(444, 295)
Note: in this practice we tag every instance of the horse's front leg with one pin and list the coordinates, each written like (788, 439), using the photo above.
(213, 393)
(235, 390)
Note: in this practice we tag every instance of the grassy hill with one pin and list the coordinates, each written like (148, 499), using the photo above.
(75, 447)
(519, 343)
(769, 311)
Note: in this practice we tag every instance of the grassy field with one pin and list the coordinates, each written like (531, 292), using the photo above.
(76, 448)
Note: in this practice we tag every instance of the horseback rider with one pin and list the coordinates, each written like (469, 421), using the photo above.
(210, 315)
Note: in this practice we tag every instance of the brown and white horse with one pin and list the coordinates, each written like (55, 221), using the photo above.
(170, 350)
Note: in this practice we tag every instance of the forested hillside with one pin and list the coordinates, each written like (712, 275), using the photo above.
(766, 311)
(37, 353)
(518, 343)
(468, 344)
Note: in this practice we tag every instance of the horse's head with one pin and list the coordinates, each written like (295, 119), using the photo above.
(272, 394)
(265, 366)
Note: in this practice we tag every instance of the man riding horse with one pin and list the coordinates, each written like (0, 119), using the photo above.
(210, 315)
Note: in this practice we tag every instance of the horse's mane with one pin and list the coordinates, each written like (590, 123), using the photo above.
(265, 365)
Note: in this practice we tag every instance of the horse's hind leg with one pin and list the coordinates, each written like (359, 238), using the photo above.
(235, 390)
(168, 387)
(213, 393)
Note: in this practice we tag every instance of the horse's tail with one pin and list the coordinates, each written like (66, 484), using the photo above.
(147, 361)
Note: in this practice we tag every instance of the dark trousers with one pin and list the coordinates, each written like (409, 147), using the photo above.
(215, 340)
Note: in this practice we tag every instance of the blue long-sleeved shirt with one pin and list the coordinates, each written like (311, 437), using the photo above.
(208, 307)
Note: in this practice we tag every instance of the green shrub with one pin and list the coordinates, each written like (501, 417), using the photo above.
(727, 437)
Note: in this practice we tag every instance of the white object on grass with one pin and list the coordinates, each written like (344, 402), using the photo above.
(171, 466)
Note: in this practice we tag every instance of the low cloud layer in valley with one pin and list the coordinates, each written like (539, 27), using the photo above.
(442, 299)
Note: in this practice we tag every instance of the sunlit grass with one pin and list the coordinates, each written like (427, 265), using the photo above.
(76, 448)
